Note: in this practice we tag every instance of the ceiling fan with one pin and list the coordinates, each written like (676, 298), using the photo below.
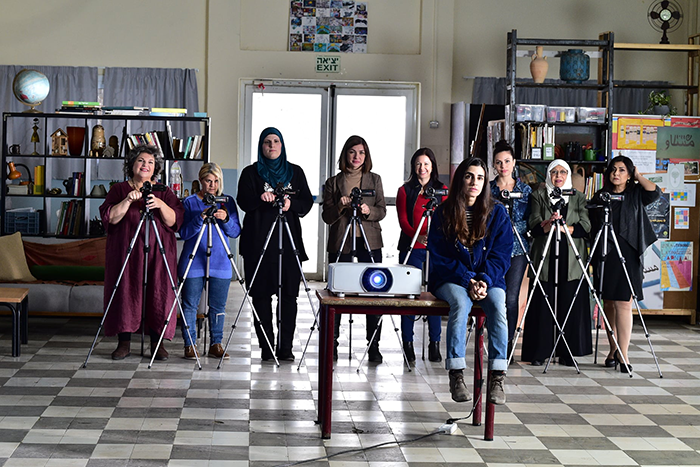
(665, 16)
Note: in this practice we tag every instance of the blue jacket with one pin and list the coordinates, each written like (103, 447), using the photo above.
(219, 264)
(450, 261)
(521, 212)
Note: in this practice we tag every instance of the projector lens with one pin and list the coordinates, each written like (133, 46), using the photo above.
(376, 280)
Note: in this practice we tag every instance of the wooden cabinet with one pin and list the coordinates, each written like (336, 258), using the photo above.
(79, 178)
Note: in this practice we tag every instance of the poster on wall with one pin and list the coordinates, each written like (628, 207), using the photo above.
(328, 26)
(651, 283)
(678, 143)
(659, 214)
(676, 266)
(636, 132)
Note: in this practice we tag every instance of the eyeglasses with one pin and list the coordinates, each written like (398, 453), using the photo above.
(559, 172)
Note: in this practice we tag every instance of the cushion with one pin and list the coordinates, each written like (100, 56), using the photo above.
(68, 273)
(13, 263)
(88, 252)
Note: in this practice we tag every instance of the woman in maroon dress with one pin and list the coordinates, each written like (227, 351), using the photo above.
(121, 213)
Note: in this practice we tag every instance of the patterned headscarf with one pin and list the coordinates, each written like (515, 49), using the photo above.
(550, 185)
(274, 171)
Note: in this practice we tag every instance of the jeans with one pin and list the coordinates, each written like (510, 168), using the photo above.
(191, 293)
(514, 278)
(363, 256)
(417, 259)
(494, 306)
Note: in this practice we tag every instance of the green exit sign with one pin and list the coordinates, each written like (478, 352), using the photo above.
(327, 64)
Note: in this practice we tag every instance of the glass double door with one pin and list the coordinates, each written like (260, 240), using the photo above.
(315, 119)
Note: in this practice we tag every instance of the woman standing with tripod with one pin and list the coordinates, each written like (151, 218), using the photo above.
(634, 234)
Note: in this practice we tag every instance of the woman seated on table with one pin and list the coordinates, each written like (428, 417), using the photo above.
(470, 243)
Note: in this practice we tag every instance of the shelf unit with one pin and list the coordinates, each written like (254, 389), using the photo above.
(14, 127)
(599, 134)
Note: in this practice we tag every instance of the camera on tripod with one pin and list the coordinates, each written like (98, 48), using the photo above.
(211, 200)
(281, 192)
(431, 192)
(149, 188)
(356, 194)
(506, 195)
(607, 197)
(559, 192)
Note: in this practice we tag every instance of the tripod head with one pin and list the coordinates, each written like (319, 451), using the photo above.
(356, 196)
(148, 188)
(281, 193)
(432, 194)
(558, 193)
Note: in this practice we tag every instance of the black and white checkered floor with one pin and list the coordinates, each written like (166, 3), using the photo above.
(55, 413)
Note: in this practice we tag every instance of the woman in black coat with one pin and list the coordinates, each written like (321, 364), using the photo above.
(261, 186)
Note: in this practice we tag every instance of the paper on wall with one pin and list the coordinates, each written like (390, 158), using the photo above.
(645, 161)
(651, 279)
(681, 219)
(683, 196)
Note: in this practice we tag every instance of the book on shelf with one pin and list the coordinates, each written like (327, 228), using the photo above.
(80, 103)
(17, 189)
(131, 112)
(173, 110)
(158, 139)
(124, 107)
(166, 114)
(70, 218)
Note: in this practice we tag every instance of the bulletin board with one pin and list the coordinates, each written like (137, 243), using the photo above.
(672, 163)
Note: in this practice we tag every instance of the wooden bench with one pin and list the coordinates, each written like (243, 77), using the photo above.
(426, 304)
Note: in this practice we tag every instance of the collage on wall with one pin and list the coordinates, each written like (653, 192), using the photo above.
(666, 150)
(328, 26)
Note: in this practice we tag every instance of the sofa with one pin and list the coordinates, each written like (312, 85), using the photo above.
(64, 277)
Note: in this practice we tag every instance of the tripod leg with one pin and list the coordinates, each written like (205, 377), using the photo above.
(129, 250)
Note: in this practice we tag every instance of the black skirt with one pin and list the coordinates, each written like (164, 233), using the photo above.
(615, 285)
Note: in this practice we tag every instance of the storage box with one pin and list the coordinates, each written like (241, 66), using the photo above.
(561, 114)
(591, 114)
(530, 113)
(25, 222)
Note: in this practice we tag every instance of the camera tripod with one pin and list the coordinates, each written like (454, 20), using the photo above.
(605, 230)
(146, 221)
(280, 224)
(554, 232)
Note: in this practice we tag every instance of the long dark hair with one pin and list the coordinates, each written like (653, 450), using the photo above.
(354, 140)
(607, 184)
(434, 175)
(455, 220)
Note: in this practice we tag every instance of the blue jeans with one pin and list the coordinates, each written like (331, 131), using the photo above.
(191, 293)
(417, 259)
(514, 279)
(494, 306)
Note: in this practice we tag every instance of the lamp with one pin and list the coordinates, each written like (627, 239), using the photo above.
(15, 174)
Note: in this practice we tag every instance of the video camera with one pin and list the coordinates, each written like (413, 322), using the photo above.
(356, 194)
(506, 195)
(559, 192)
(607, 197)
(431, 192)
(281, 192)
(149, 188)
(211, 200)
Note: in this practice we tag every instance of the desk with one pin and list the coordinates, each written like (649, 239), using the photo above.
(16, 299)
(426, 304)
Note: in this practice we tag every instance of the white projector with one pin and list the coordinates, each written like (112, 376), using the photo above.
(374, 279)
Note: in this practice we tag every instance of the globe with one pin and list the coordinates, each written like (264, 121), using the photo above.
(30, 87)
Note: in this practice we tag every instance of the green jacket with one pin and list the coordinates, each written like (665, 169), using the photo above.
(541, 210)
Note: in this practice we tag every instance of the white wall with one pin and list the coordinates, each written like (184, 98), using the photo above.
(433, 42)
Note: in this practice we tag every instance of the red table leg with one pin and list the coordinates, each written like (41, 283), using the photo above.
(478, 366)
(325, 370)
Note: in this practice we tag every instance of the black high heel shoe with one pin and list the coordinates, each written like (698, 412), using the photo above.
(624, 368)
(611, 362)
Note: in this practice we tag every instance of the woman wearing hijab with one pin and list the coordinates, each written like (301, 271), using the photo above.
(256, 197)
(540, 331)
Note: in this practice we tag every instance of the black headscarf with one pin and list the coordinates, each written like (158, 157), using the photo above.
(274, 171)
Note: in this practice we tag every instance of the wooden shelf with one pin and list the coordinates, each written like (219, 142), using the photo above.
(658, 47)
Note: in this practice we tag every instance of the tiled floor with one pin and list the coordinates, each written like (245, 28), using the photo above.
(55, 413)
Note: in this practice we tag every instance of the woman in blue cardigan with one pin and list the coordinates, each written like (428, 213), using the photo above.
(220, 272)
(470, 243)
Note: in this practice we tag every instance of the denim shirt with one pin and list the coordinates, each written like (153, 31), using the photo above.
(521, 212)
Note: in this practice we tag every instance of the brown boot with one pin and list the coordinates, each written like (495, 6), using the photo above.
(191, 352)
(217, 350)
(122, 351)
(161, 354)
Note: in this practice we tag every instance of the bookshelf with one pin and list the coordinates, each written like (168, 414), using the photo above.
(80, 178)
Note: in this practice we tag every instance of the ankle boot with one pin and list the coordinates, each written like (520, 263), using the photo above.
(410, 353)
(374, 355)
(434, 351)
(122, 351)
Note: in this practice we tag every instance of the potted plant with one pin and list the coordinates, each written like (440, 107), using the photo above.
(660, 104)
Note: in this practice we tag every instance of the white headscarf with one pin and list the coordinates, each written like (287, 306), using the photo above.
(550, 186)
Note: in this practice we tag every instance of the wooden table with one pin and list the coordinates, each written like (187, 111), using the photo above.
(427, 305)
(16, 299)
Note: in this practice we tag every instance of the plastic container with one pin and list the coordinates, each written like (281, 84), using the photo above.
(591, 114)
(530, 113)
(176, 179)
(561, 114)
(25, 222)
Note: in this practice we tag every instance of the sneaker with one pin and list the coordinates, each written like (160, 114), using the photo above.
(191, 352)
(434, 351)
(216, 351)
(410, 353)
(497, 393)
(122, 351)
(374, 355)
(458, 388)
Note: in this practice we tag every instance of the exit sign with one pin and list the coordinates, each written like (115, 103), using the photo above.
(327, 64)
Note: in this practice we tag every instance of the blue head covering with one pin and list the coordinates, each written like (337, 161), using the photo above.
(273, 171)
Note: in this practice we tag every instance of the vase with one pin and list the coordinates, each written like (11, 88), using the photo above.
(76, 138)
(98, 143)
(539, 65)
(574, 66)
